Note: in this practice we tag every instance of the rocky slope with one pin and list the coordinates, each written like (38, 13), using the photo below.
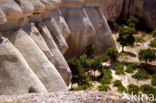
(36, 34)
(144, 9)
(66, 97)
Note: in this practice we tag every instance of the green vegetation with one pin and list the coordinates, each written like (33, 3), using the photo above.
(153, 82)
(126, 37)
(153, 44)
(83, 87)
(141, 75)
(147, 55)
(122, 89)
(132, 21)
(154, 33)
(78, 74)
(119, 69)
(105, 57)
(130, 68)
(139, 39)
(90, 50)
(104, 88)
(147, 89)
(133, 88)
(112, 54)
(117, 83)
(106, 76)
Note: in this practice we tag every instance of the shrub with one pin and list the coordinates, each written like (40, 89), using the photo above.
(154, 79)
(141, 75)
(83, 87)
(147, 55)
(112, 54)
(78, 74)
(126, 37)
(139, 39)
(147, 89)
(104, 88)
(119, 69)
(105, 58)
(83, 60)
(130, 68)
(132, 21)
(153, 44)
(117, 83)
(154, 33)
(122, 89)
(90, 50)
(106, 76)
(133, 88)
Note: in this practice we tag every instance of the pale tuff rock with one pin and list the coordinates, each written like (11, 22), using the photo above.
(27, 7)
(15, 74)
(102, 29)
(55, 31)
(3, 18)
(36, 36)
(56, 13)
(11, 9)
(38, 6)
(42, 31)
(38, 62)
(67, 97)
(60, 62)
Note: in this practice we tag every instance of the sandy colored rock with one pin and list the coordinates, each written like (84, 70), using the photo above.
(36, 36)
(3, 18)
(16, 77)
(38, 6)
(47, 4)
(26, 7)
(61, 63)
(38, 62)
(11, 9)
(56, 33)
(104, 39)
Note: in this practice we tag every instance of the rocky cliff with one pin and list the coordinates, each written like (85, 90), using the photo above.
(144, 9)
(36, 34)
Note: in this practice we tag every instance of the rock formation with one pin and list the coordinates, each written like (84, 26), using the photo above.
(36, 34)
(144, 9)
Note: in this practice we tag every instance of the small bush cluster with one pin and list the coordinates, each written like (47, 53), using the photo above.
(133, 88)
(104, 88)
(90, 50)
(120, 87)
(141, 75)
(154, 33)
(78, 74)
(117, 83)
(119, 69)
(139, 39)
(153, 79)
(106, 76)
(130, 68)
(153, 44)
(147, 89)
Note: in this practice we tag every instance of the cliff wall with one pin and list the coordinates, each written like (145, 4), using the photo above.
(36, 34)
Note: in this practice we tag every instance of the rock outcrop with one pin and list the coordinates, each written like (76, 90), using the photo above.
(68, 97)
(40, 33)
(144, 9)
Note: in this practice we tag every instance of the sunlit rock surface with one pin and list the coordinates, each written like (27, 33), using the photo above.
(39, 33)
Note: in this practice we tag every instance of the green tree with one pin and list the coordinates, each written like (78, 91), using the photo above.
(113, 54)
(126, 37)
(132, 21)
(90, 50)
(147, 55)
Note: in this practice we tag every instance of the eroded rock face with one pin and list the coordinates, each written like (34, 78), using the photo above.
(37, 60)
(15, 74)
(145, 9)
(40, 32)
